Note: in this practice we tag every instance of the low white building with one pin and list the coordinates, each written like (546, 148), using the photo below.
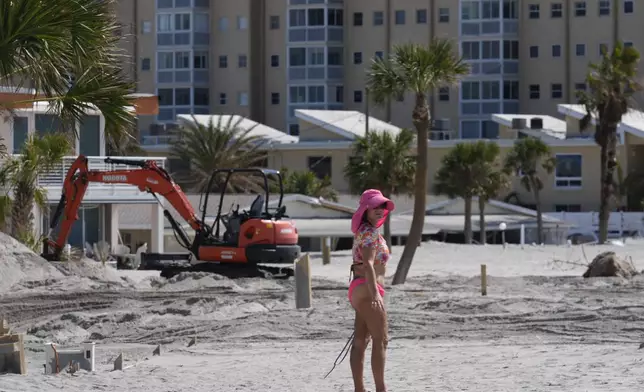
(98, 219)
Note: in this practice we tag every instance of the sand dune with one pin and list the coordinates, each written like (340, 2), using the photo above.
(541, 328)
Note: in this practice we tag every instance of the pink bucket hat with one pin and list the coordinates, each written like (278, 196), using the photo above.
(370, 198)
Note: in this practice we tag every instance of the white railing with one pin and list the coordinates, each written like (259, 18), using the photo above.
(156, 140)
(618, 222)
(53, 179)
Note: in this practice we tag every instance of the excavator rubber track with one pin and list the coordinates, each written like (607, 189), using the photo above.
(231, 271)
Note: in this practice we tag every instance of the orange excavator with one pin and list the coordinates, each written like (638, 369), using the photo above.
(252, 238)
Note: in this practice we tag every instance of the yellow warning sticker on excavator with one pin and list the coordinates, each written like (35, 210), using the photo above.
(269, 225)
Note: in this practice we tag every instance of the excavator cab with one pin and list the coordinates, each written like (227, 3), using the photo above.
(259, 208)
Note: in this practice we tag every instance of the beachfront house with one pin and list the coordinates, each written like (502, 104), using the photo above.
(98, 219)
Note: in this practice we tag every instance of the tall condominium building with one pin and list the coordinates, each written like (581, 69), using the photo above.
(265, 58)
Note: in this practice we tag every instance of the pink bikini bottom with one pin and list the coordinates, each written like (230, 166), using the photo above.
(358, 281)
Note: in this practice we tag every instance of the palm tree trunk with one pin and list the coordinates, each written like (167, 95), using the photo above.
(537, 202)
(21, 212)
(420, 118)
(468, 219)
(482, 233)
(608, 159)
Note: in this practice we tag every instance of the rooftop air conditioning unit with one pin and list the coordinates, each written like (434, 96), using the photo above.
(536, 123)
(519, 123)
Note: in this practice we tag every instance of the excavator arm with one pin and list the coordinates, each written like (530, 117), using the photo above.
(148, 177)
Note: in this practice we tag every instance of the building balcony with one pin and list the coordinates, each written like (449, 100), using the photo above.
(52, 181)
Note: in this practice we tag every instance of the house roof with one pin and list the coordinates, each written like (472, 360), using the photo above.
(551, 126)
(511, 209)
(270, 134)
(346, 123)
(135, 216)
(632, 121)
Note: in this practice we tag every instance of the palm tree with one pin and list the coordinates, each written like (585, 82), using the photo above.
(223, 144)
(382, 161)
(464, 173)
(19, 177)
(305, 182)
(611, 83)
(66, 52)
(529, 158)
(419, 70)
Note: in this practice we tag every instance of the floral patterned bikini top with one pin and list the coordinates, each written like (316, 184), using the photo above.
(368, 235)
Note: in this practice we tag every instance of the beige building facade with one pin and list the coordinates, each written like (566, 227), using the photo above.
(263, 59)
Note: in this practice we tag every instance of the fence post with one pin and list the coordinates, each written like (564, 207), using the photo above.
(303, 293)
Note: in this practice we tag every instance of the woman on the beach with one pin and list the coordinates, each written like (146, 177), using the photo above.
(366, 291)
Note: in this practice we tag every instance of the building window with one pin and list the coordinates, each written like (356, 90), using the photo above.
(556, 10)
(580, 86)
(223, 98)
(602, 48)
(339, 94)
(568, 171)
(628, 7)
(357, 57)
(223, 61)
(490, 50)
(335, 17)
(556, 91)
(297, 57)
(580, 49)
(275, 22)
(146, 27)
(379, 54)
(421, 16)
(357, 18)
(316, 94)
(400, 17)
(145, 64)
(534, 11)
(628, 44)
(534, 52)
(357, 96)
(443, 94)
(201, 96)
(294, 129)
(470, 50)
(535, 91)
(297, 18)
(275, 60)
(321, 166)
(511, 50)
(443, 15)
(470, 91)
(242, 61)
(556, 50)
(511, 89)
(604, 7)
(200, 59)
(242, 99)
(242, 23)
(580, 8)
(275, 98)
(316, 17)
(223, 23)
(182, 60)
(378, 18)
(297, 94)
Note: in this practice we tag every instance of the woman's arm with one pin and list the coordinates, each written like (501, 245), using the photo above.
(368, 256)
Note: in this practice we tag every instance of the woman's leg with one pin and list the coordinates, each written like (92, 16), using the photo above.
(358, 348)
(376, 321)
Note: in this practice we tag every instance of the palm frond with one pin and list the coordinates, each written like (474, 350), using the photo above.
(415, 68)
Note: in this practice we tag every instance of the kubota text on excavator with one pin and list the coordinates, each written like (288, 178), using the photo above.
(253, 237)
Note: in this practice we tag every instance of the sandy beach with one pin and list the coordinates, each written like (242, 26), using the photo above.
(540, 328)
